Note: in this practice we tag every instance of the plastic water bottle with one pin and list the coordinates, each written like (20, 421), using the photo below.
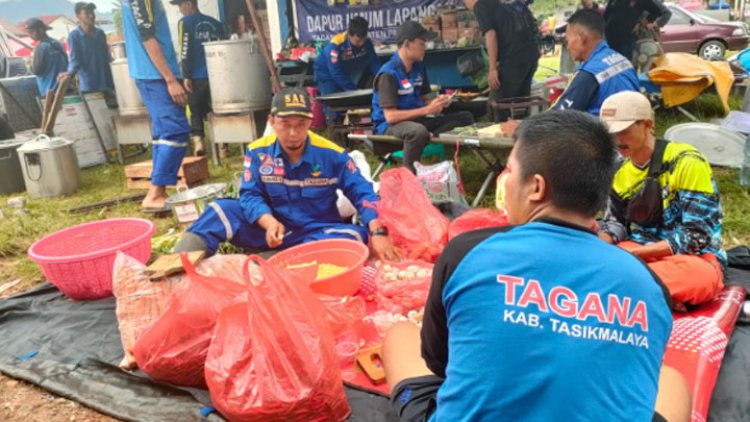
(745, 170)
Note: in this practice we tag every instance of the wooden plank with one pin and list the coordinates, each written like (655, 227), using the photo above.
(192, 165)
(167, 265)
(9, 285)
(49, 125)
(145, 183)
(108, 202)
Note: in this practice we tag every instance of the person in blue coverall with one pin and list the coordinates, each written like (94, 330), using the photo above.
(89, 52)
(195, 28)
(153, 65)
(603, 71)
(49, 59)
(541, 320)
(288, 194)
(348, 61)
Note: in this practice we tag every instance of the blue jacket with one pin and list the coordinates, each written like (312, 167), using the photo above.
(141, 21)
(50, 59)
(344, 64)
(410, 89)
(302, 195)
(89, 58)
(194, 31)
(605, 73)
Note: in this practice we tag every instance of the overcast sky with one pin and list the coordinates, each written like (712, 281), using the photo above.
(104, 6)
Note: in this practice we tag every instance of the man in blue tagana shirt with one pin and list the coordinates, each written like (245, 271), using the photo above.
(541, 320)
(194, 30)
(152, 62)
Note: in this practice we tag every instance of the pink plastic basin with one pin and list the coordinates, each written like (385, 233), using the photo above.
(79, 260)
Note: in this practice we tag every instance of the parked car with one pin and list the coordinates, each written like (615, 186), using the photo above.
(688, 32)
(691, 4)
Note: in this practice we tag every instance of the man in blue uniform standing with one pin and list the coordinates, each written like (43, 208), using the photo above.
(348, 62)
(49, 59)
(153, 65)
(195, 28)
(288, 194)
(603, 71)
(89, 52)
(541, 320)
(399, 99)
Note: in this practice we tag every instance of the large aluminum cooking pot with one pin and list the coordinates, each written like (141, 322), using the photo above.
(128, 97)
(189, 204)
(240, 81)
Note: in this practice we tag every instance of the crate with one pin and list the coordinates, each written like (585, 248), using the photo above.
(450, 35)
(473, 35)
(448, 19)
(434, 27)
(468, 24)
(193, 171)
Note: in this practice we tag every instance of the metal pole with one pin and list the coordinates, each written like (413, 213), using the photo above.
(264, 45)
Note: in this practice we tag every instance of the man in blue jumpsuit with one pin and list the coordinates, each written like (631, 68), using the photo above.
(348, 62)
(603, 71)
(89, 52)
(195, 28)
(399, 98)
(541, 320)
(153, 65)
(49, 59)
(288, 193)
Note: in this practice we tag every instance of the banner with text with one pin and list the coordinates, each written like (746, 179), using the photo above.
(319, 20)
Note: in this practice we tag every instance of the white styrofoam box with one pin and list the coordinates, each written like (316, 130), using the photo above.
(74, 123)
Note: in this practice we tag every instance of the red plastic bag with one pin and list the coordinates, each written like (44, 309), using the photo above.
(417, 229)
(478, 218)
(174, 348)
(403, 286)
(273, 358)
(343, 312)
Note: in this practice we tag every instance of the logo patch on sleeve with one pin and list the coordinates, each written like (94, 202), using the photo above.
(351, 166)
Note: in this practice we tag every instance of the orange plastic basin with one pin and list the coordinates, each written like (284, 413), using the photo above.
(341, 252)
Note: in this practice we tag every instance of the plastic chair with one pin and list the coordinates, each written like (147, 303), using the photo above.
(431, 150)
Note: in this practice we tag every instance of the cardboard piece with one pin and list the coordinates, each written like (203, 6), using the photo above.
(167, 265)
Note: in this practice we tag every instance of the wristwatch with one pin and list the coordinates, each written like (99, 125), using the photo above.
(380, 231)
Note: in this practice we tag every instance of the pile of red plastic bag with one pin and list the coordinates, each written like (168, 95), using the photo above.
(261, 342)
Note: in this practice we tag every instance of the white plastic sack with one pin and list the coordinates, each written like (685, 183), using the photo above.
(440, 181)
(345, 206)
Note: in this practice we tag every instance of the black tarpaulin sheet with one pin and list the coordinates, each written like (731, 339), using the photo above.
(72, 349)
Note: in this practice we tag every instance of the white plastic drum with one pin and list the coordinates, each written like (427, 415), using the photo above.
(721, 146)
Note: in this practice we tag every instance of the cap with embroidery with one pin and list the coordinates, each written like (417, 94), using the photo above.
(291, 102)
(621, 110)
(35, 23)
